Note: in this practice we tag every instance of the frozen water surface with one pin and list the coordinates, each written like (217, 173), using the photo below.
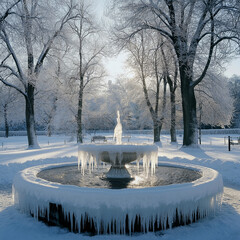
(163, 176)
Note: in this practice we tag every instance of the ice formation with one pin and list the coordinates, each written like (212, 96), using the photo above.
(91, 155)
(118, 211)
(118, 130)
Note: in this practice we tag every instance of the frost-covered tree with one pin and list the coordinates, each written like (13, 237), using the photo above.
(26, 40)
(171, 74)
(10, 107)
(86, 52)
(127, 96)
(6, 9)
(147, 60)
(234, 86)
(47, 94)
(194, 28)
(213, 108)
(123, 94)
(64, 120)
(97, 114)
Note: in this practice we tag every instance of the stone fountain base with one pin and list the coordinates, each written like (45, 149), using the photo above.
(58, 217)
(124, 211)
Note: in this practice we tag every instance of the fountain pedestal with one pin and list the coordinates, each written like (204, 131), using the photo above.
(118, 161)
(118, 172)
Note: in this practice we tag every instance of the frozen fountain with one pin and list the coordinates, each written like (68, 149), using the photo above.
(117, 155)
(115, 188)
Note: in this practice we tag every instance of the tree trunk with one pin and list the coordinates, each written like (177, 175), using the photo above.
(200, 124)
(173, 117)
(49, 130)
(79, 115)
(189, 111)
(50, 127)
(163, 110)
(156, 133)
(6, 122)
(30, 121)
(160, 129)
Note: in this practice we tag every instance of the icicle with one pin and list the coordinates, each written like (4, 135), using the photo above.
(37, 213)
(79, 223)
(48, 212)
(71, 221)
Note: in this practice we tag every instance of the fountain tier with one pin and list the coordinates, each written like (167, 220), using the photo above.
(90, 155)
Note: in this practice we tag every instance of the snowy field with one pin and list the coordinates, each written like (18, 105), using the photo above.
(213, 153)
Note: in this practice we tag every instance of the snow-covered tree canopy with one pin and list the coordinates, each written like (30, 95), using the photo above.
(234, 85)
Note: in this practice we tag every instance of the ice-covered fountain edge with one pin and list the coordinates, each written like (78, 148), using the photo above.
(201, 197)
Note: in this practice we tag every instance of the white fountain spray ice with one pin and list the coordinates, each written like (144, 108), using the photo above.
(118, 130)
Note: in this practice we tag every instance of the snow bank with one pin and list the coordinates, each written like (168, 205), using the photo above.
(120, 211)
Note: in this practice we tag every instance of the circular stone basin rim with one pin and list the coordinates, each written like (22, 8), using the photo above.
(30, 175)
(105, 207)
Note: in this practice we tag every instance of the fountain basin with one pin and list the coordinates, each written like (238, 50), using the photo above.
(122, 211)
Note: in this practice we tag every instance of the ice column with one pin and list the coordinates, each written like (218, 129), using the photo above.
(118, 130)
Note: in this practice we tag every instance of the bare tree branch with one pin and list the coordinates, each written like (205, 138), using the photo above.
(13, 86)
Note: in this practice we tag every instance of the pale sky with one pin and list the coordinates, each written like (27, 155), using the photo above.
(233, 68)
(115, 66)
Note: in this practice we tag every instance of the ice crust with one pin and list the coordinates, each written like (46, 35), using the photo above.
(90, 155)
(106, 206)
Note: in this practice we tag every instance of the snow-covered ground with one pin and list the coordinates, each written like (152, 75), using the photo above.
(213, 153)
